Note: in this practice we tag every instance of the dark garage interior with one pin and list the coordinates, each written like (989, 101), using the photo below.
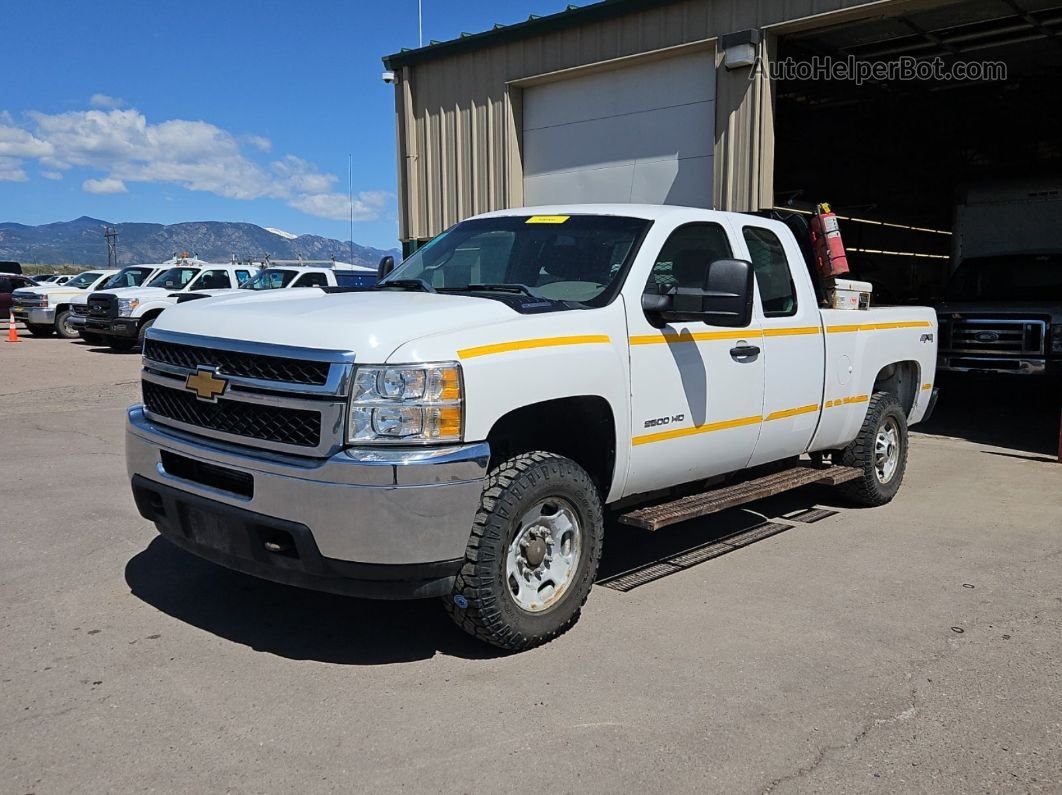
(902, 151)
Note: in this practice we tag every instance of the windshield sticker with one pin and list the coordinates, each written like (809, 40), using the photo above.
(548, 219)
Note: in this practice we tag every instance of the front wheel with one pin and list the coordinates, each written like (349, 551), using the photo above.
(63, 327)
(879, 451)
(38, 330)
(533, 553)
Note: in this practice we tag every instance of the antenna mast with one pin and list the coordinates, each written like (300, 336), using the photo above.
(350, 197)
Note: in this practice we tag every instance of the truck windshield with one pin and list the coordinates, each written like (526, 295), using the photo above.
(1018, 277)
(129, 277)
(84, 280)
(578, 259)
(174, 278)
(271, 279)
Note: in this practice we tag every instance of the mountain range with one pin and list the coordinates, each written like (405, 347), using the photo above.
(81, 242)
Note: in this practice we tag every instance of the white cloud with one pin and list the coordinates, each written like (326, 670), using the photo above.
(124, 147)
(52, 175)
(259, 142)
(11, 171)
(105, 185)
(106, 102)
(368, 205)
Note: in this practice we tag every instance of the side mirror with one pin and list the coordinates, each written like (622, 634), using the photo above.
(725, 300)
(387, 264)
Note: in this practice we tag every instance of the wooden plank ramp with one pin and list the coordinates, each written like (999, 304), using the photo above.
(655, 517)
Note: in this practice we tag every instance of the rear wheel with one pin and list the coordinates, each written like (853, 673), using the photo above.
(533, 553)
(879, 451)
(37, 330)
(63, 326)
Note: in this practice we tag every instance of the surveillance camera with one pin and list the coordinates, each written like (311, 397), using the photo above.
(388, 77)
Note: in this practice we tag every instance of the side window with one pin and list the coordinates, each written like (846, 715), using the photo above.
(311, 280)
(5, 285)
(685, 257)
(212, 280)
(777, 293)
(242, 276)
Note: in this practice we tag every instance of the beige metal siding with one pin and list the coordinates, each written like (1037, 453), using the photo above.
(459, 138)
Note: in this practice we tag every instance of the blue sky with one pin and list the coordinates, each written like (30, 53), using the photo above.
(237, 111)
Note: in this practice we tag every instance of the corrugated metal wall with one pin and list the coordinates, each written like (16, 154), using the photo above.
(459, 116)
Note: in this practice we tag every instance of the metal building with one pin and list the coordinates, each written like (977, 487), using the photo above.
(671, 101)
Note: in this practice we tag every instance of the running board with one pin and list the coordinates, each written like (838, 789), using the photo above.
(707, 502)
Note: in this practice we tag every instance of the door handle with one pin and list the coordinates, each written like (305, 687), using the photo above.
(744, 351)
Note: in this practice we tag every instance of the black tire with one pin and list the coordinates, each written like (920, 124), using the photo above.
(871, 489)
(93, 339)
(121, 344)
(38, 330)
(63, 327)
(482, 602)
(143, 330)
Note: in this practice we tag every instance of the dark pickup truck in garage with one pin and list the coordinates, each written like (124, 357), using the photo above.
(1003, 314)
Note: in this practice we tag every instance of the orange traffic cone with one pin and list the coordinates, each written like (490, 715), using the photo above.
(12, 332)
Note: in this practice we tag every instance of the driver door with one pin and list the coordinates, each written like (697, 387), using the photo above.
(696, 395)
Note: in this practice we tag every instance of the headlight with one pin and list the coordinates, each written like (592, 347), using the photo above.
(415, 403)
(126, 306)
(1056, 338)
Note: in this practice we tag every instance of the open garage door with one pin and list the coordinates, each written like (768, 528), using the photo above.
(637, 133)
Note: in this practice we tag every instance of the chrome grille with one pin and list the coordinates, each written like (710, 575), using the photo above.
(29, 301)
(278, 424)
(246, 365)
(999, 337)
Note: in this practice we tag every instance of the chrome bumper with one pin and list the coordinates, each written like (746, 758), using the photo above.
(957, 363)
(36, 315)
(377, 506)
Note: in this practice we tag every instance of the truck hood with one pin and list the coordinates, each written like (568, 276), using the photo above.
(59, 291)
(144, 294)
(372, 324)
(1002, 308)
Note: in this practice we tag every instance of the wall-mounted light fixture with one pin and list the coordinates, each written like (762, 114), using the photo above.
(739, 49)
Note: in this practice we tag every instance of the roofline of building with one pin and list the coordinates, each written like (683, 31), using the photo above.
(534, 26)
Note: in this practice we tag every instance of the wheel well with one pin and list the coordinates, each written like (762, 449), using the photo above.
(900, 379)
(151, 314)
(581, 428)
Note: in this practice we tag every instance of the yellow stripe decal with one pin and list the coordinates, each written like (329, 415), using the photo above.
(781, 415)
(847, 400)
(841, 329)
(700, 336)
(521, 345)
(706, 428)
(791, 332)
(927, 386)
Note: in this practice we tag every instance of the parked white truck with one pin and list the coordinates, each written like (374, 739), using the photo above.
(459, 431)
(47, 308)
(288, 277)
(120, 317)
(130, 276)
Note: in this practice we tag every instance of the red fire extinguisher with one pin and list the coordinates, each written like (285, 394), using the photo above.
(826, 242)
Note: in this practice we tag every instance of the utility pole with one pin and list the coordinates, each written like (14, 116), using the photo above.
(111, 233)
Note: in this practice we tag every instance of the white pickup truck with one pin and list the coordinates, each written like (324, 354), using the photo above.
(120, 317)
(459, 431)
(47, 308)
(294, 276)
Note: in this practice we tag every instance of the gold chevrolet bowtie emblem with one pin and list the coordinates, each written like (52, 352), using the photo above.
(206, 384)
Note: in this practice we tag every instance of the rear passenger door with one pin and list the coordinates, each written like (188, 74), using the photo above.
(695, 402)
(793, 344)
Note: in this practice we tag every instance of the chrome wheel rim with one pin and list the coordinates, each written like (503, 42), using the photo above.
(544, 555)
(887, 450)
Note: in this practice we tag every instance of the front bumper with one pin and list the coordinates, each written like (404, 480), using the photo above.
(376, 523)
(77, 321)
(961, 363)
(38, 316)
(125, 327)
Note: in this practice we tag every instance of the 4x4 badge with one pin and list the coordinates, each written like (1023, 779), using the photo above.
(206, 384)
